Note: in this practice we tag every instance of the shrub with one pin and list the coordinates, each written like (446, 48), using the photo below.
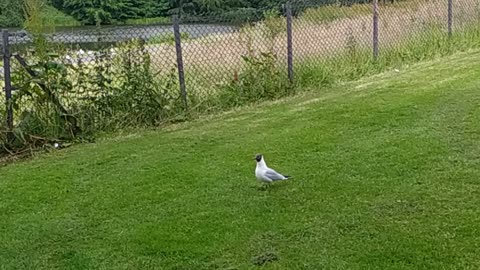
(137, 98)
(91, 92)
(262, 79)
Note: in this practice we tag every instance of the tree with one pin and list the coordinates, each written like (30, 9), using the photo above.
(130, 9)
(95, 11)
(182, 6)
(209, 6)
(157, 8)
(11, 13)
(58, 4)
(108, 11)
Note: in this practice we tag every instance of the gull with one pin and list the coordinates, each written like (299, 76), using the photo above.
(265, 174)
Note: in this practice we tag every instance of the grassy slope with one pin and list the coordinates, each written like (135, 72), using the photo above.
(386, 177)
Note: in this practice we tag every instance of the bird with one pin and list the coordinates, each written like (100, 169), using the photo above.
(266, 175)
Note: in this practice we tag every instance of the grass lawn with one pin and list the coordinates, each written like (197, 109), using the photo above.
(386, 176)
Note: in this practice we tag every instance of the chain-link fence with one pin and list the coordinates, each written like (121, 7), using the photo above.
(91, 78)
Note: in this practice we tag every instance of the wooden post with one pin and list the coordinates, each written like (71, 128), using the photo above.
(7, 78)
(450, 17)
(178, 48)
(289, 42)
(375, 29)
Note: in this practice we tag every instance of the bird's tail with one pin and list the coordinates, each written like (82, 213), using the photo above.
(288, 176)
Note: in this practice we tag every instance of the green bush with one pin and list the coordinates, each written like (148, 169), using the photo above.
(69, 101)
(262, 79)
(138, 98)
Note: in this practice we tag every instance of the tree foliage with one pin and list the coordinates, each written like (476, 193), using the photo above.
(111, 11)
(11, 13)
(118, 11)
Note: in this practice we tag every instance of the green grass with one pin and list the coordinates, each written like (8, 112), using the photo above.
(168, 38)
(148, 21)
(386, 176)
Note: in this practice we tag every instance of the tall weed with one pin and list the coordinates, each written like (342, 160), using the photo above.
(262, 77)
(356, 61)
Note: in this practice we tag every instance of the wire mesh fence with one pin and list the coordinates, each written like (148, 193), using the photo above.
(92, 78)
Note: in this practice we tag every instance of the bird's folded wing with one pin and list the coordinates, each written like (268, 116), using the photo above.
(272, 174)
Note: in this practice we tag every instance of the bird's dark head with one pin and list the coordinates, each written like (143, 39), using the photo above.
(258, 157)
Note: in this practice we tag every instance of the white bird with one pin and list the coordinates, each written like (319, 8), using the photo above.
(266, 175)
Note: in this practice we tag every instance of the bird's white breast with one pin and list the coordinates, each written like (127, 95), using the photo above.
(260, 174)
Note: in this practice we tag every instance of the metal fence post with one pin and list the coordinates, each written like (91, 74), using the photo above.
(178, 48)
(8, 82)
(450, 17)
(289, 42)
(375, 29)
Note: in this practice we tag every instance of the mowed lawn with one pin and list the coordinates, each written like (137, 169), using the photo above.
(386, 176)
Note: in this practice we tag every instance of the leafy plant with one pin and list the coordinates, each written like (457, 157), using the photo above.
(65, 95)
(39, 82)
(274, 25)
(262, 79)
(10, 13)
(138, 98)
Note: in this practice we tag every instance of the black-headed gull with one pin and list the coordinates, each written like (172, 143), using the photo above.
(265, 174)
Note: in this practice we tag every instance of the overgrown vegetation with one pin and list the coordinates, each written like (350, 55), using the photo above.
(263, 77)
(92, 12)
(72, 100)
(356, 61)
(66, 94)
(11, 13)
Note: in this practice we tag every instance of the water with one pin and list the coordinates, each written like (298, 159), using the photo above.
(91, 35)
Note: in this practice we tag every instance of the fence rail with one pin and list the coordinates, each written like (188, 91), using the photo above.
(144, 74)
